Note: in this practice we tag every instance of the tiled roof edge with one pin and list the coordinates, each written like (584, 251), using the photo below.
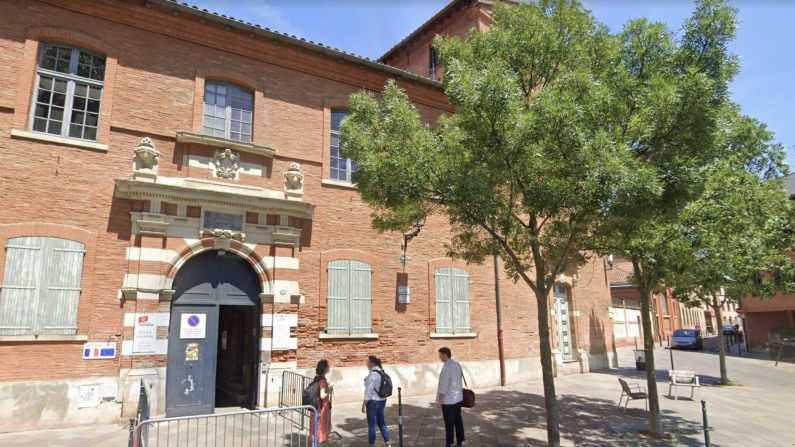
(300, 41)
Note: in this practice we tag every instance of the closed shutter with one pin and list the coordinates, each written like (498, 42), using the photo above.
(361, 299)
(349, 297)
(19, 300)
(41, 289)
(338, 293)
(444, 301)
(60, 287)
(452, 301)
(460, 302)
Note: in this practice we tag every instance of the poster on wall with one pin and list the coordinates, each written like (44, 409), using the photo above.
(192, 325)
(145, 334)
(192, 352)
(281, 332)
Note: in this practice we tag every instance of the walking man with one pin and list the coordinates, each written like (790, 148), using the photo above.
(450, 397)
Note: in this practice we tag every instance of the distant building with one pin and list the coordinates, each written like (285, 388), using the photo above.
(761, 315)
(625, 311)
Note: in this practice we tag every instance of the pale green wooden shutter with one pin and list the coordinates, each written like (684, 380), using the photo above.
(361, 299)
(349, 297)
(60, 287)
(338, 297)
(452, 301)
(460, 301)
(41, 286)
(444, 301)
(19, 300)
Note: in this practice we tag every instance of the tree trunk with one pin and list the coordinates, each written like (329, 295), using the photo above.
(716, 307)
(655, 419)
(547, 373)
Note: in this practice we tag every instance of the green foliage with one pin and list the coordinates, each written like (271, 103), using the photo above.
(569, 140)
(736, 237)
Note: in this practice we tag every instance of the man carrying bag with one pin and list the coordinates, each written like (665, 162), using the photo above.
(451, 397)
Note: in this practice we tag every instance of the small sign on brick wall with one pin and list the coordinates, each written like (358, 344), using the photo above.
(99, 351)
(145, 334)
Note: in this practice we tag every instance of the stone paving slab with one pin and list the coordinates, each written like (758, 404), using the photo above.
(757, 411)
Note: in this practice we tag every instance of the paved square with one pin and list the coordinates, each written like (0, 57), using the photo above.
(757, 411)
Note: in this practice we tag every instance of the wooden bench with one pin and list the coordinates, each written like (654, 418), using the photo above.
(684, 379)
(635, 392)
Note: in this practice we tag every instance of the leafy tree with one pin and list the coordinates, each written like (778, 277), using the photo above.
(735, 240)
(675, 104)
(566, 139)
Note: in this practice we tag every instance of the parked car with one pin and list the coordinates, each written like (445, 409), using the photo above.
(687, 338)
(729, 330)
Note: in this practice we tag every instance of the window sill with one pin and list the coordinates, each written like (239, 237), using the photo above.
(461, 335)
(208, 140)
(42, 338)
(337, 183)
(16, 133)
(327, 336)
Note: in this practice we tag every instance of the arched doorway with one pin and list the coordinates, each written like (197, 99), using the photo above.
(213, 343)
(563, 322)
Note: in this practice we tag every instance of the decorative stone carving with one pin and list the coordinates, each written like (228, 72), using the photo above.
(227, 163)
(146, 160)
(293, 182)
(222, 239)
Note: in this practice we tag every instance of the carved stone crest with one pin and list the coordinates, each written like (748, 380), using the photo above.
(145, 160)
(227, 163)
(294, 182)
(222, 239)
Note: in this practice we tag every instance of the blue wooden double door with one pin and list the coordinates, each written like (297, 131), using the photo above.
(214, 333)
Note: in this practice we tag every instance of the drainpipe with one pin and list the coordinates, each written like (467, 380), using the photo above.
(499, 319)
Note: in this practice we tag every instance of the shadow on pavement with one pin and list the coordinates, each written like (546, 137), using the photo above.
(511, 418)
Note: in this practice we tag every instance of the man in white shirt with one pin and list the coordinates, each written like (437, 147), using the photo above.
(450, 397)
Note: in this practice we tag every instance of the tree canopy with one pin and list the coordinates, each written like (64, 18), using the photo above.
(567, 140)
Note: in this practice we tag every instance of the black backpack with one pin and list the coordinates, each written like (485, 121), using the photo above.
(385, 387)
(311, 394)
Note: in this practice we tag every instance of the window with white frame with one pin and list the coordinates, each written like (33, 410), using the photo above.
(341, 168)
(349, 297)
(68, 92)
(41, 286)
(452, 301)
(228, 111)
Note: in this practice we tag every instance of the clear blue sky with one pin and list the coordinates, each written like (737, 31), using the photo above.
(765, 87)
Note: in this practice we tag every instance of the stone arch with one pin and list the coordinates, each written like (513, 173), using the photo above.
(208, 244)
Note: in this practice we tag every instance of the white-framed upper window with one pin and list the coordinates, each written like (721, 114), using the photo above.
(68, 93)
(341, 168)
(349, 297)
(228, 111)
(452, 301)
(41, 286)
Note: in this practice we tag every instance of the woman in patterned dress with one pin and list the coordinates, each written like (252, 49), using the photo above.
(324, 406)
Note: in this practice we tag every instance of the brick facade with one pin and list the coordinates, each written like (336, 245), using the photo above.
(138, 235)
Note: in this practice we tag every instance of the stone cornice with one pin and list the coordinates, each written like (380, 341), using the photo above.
(207, 140)
(208, 194)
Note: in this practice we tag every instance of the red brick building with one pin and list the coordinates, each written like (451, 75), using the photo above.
(175, 212)
(762, 315)
(666, 311)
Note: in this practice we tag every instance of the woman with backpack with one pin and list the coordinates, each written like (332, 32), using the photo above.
(374, 402)
(323, 403)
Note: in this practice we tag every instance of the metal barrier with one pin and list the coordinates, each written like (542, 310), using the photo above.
(292, 392)
(293, 386)
(141, 415)
(269, 427)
